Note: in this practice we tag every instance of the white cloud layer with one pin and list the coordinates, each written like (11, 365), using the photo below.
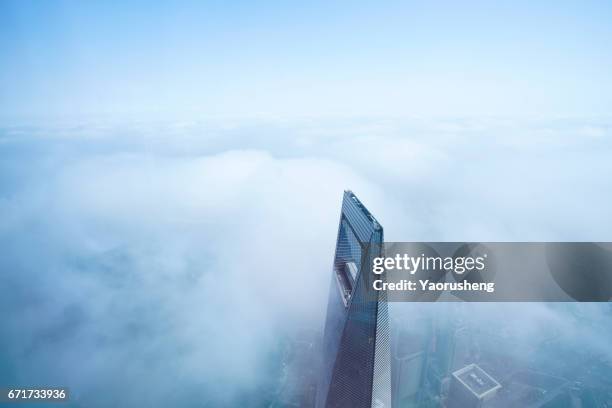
(155, 259)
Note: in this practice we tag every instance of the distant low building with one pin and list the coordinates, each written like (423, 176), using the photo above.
(471, 387)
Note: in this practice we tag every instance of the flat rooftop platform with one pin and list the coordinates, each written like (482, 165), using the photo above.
(477, 381)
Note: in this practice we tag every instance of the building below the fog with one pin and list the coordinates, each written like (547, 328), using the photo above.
(471, 387)
(409, 343)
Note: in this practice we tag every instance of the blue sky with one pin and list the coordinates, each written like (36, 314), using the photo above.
(246, 59)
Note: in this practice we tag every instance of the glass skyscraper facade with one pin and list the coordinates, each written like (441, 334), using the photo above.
(356, 358)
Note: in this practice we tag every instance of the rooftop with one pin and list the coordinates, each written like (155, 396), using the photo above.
(476, 380)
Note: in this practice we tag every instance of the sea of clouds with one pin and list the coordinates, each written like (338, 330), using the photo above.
(149, 263)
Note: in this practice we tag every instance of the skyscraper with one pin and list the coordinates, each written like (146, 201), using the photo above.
(356, 359)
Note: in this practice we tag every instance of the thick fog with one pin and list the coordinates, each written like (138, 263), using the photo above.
(158, 264)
